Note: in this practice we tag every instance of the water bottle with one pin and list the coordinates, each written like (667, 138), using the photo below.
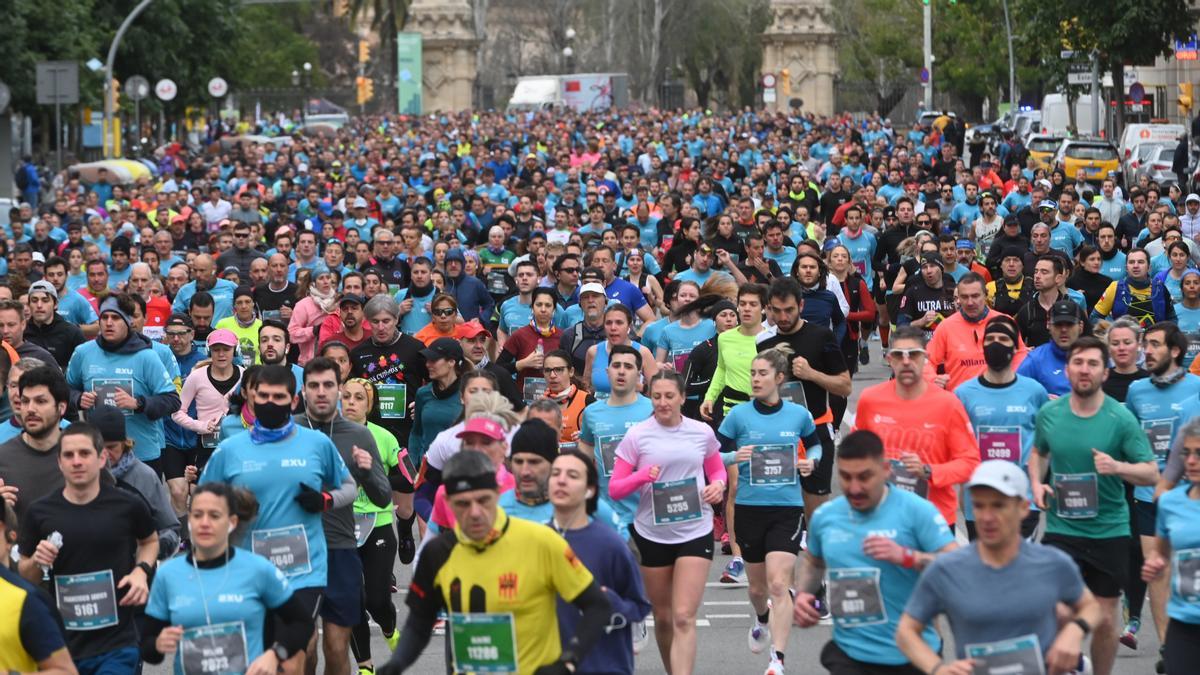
(56, 539)
(540, 350)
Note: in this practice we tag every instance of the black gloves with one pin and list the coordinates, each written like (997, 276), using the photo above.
(312, 501)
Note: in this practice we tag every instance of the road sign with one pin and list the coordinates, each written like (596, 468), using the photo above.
(768, 80)
(1067, 54)
(165, 90)
(137, 88)
(57, 82)
(1137, 92)
(1079, 78)
(924, 74)
(769, 95)
(217, 87)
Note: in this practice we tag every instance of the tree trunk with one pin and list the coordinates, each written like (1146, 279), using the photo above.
(1118, 95)
(610, 30)
(656, 49)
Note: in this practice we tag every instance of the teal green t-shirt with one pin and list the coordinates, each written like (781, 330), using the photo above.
(1087, 504)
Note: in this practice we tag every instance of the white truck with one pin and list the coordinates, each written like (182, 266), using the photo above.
(580, 92)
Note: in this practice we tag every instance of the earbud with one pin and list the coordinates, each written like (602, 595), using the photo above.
(591, 493)
(232, 528)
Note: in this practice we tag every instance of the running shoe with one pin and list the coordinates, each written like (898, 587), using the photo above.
(775, 667)
(759, 637)
(864, 354)
(1129, 635)
(726, 548)
(1085, 666)
(1160, 666)
(734, 572)
(366, 670)
(641, 636)
(392, 639)
(406, 549)
(439, 627)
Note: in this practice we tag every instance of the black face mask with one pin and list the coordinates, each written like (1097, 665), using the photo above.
(272, 415)
(998, 356)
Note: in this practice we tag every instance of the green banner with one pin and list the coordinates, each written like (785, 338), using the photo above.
(408, 73)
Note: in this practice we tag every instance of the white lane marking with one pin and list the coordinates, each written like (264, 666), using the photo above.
(717, 584)
(728, 616)
(727, 602)
(700, 623)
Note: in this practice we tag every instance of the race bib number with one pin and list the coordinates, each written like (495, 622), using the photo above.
(679, 359)
(861, 266)
(272, 315)
(364, 525)
(214, 650)
(393, 401)
(106, 391)
(497, 281)
(1076, 495)
(1016, 656)
(606, 446)
(1159, 433)
(676, 501)
(87, 601)
(564, 447)
(773, 465)
(1187, 574)
(855, 598)
(533, 389)
(285, 547)
(1000, 443)
(483, 643)
(793, 391)
(906, 480)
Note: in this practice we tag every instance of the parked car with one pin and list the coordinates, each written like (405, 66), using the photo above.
(1097, 158)
(1154, 161)
(1042, 148)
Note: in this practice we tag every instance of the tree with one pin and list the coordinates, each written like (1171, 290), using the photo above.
(724, 57)
(1121, 31)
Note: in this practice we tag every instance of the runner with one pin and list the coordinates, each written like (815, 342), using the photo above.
(1047, 363)
(341, 602)
(572, 400)
(1177, 548)
(1002, 407)
(485, 552)
(575, 493)
(219, 602)
(956, 350)
(770, 440)
(925, 430)
(296, 474)
(29, 464)
(373, 530)
(664, 459)
(731, 380)
(817, 369)
(1087, 443)
(34, 641)
(1155, 403)
(604, 425)
(1031, 637)
(120, 368)
(97, 544)
(869, 546)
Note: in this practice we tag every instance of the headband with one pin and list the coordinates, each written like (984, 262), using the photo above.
(483, 481)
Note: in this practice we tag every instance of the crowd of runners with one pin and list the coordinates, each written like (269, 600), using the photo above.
(554, 365)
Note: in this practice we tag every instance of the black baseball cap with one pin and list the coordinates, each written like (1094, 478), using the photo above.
(443, 348)
(1065, 311)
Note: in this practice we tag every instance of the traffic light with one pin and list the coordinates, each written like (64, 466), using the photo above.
(366, 89)
(364, 51)
(116, 94)
(1185, 98)
(785, 82)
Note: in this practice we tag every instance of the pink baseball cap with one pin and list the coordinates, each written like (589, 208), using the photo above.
(484, 427)
(222, 336)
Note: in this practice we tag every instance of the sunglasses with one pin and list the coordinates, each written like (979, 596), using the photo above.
(445, 311)
(905, 354)
(570, 270)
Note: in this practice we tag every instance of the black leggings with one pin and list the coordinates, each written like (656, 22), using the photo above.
(1183, 647)
(377, 554)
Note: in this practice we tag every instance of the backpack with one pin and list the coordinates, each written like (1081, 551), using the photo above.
(23, 178)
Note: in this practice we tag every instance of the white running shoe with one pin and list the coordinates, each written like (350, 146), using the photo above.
(775, 667)
(759, 637)
(641, 636)
(1085, 666)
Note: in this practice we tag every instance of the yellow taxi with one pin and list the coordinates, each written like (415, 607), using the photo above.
(1042, 148)
(1095, 156)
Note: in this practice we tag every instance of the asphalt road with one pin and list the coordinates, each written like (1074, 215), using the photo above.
(726, 615)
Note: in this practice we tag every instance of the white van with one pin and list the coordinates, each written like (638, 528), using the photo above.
(1136, 134)
(1056, 116)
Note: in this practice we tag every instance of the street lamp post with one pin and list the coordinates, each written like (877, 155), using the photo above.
(568, 52)
(301, 82)
(108, 73)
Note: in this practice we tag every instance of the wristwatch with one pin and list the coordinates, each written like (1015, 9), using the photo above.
(145, 567)
(141, 403)
(280, 652)
(927, 470)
